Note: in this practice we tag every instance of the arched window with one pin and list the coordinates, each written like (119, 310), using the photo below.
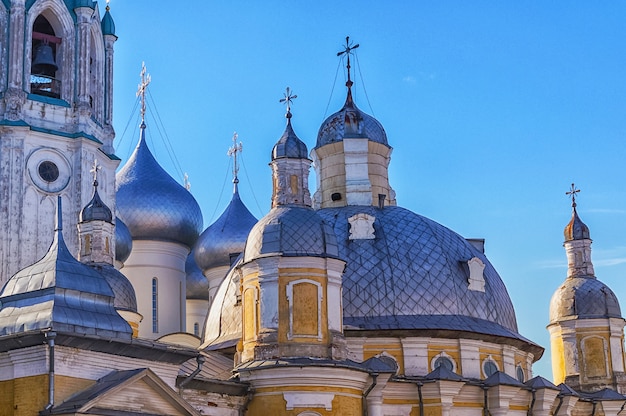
(196, 329)
(489, 367)
(519, 372)
(443, 359)
(44, 64)
(155, 305)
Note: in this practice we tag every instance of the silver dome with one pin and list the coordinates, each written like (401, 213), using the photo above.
(197, 284)
(291, 230)
(350, 122)
(414, 275)
(123, 290)
(152, 204)
(583, 298)
(123, 241)
(96, 209)
(60, 293)
(226, 237)
(576, 229)
(289, 145)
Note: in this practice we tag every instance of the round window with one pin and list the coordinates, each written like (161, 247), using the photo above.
(489, 367)
(444, 362)
(48, 171)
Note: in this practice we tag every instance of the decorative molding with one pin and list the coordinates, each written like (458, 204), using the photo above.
(476, 280)
(289, 290)
(362, 227)
(305, 399)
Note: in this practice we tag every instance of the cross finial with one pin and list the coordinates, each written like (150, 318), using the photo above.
(288, 100)
(232, 152)
(572, 192)
(348, 51)
(108, 8)
(94, 170)
(186, 182)
(141, 91)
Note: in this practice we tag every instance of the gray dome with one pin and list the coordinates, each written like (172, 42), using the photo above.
(291, 230)
(583, 297)
(152, 204)
(96, 209)
(289, 145)
(123, 290)
(123, 241)
(197, 284)
(60, 293)
(576, 229)
(413, 274)
(226, 236)
(350, 122)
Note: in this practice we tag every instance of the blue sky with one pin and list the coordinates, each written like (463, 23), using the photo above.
(493, 109)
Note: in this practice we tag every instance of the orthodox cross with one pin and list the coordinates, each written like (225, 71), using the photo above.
(94, 170)
(348, 51)
(186, 182)
(288, 100)
(233, 151)
(573, 191)
(143, 86)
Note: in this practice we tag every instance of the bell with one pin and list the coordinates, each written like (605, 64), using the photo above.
(44, 64)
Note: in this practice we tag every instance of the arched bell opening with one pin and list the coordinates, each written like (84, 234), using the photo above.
(44, 67)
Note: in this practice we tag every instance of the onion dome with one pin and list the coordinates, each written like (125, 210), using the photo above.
(123, 241)
(289, 145)
(123, 290)
(583, 298)
(291, 230)
(226, 237)
(107, 24)
(576, 229)
(152, 204)
(350, 122)
(60, 293)
(197, 284)
(413, 274)
(96, 210)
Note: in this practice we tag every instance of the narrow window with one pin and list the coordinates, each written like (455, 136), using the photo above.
(155, 305)
(520, 374)
(444, 362)
(196, 329)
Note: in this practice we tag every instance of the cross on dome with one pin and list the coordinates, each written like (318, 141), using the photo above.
(232, 152)
(288, 100)
(94, 170)
(572, 192)
(141, 89)
(348, 51)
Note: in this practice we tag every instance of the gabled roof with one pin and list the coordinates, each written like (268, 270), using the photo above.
(136, 392)
(500, 378)
(540, 383)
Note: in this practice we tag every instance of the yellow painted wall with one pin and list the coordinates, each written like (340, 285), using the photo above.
(27, 396)
(275, 405)
(307, 312)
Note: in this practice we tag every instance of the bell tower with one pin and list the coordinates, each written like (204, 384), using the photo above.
(55, 119)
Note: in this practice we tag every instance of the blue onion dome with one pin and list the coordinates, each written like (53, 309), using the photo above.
(123, 241)
(222, 328)
(413, 274)
(576, 229)
(96, 209)
(197, 284)
(583, 298)
(62, 294)
(152, 204)
(123, 290)
(289, 145)
(291, 230)
(225, 239)
(107, 24)
(350, 122)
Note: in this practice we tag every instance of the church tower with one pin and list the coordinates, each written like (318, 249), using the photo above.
(586, 325)
(56, 70)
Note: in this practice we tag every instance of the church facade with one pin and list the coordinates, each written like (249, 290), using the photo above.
(115, 301)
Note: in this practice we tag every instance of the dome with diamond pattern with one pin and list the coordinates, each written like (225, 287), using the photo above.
(152, 204)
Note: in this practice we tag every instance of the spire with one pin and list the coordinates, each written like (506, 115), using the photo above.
(577, 243)
(349, 47)
(141, 92)
(235, 149)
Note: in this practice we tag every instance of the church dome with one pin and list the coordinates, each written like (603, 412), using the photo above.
(576, 229)
(197, 285)
(350, 122)
(125, 298)
(96, 209)
(123, 241)
(583, 297)
(413, 274)
(226, 237)
(152, 204)
(291, 230)
(107, 24)
(289, 145)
